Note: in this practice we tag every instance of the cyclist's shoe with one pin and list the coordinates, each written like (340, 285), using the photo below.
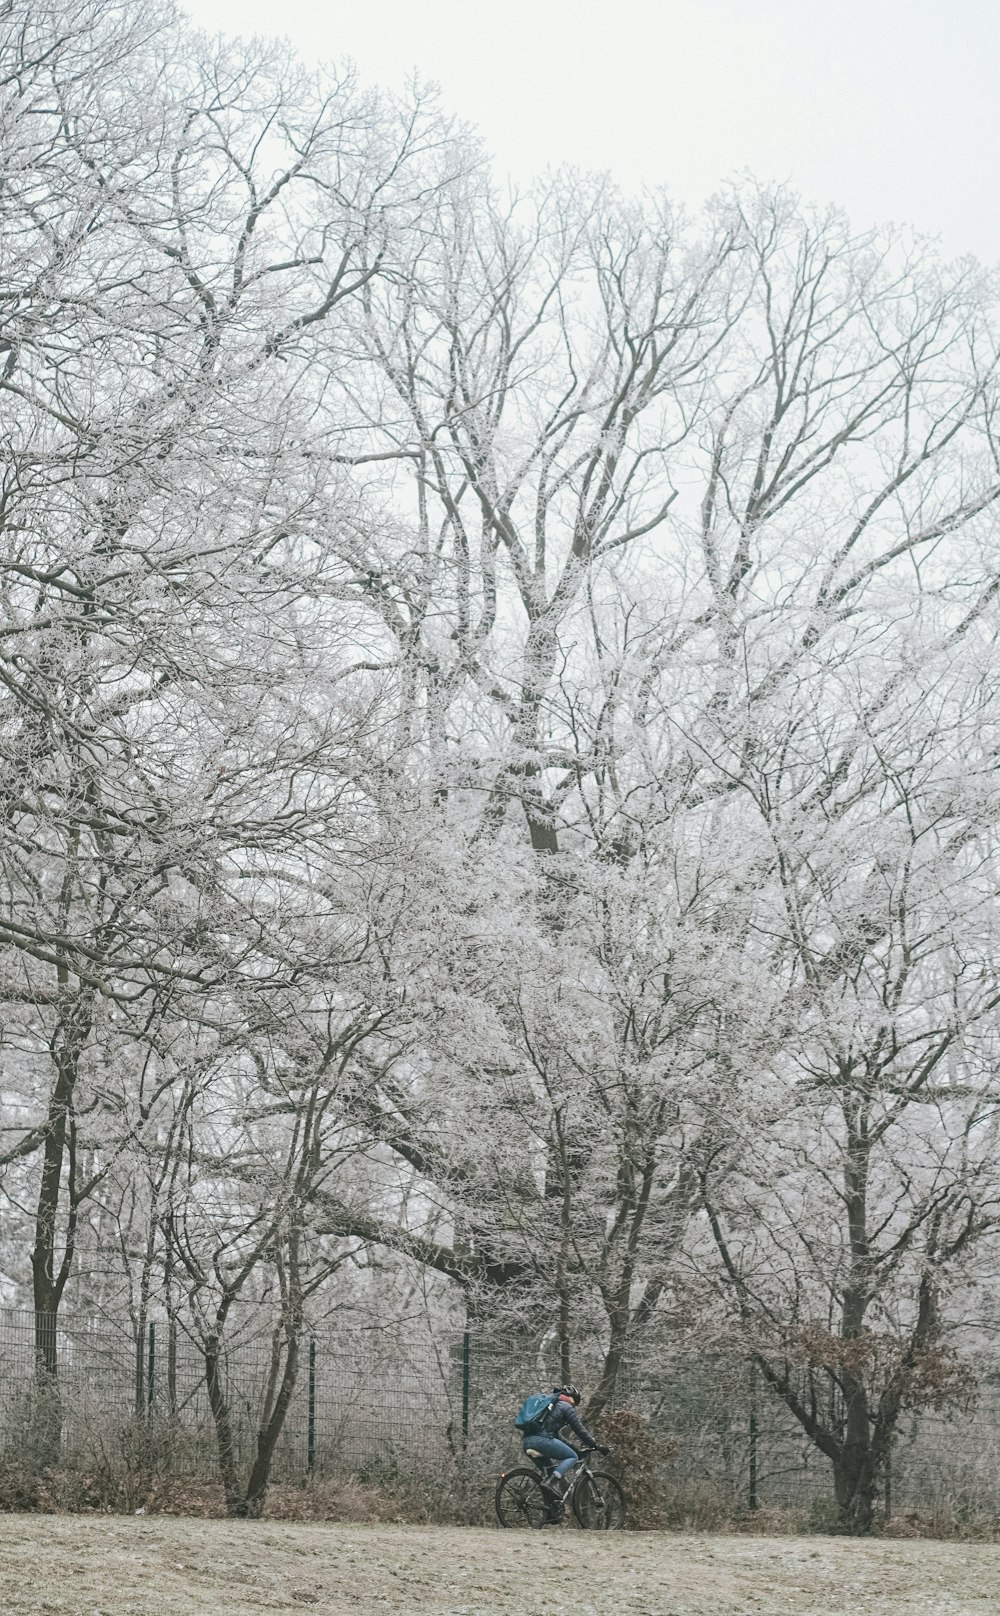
(555, 1509)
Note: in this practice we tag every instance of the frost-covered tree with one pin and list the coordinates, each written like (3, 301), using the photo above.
(865, 1189)
(178, 224)
(496, 734)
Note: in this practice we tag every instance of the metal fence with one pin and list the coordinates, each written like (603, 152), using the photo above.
(729, 1433)
(367, 1403)
(386, 1406)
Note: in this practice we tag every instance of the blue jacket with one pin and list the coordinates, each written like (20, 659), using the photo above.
(563, 1412)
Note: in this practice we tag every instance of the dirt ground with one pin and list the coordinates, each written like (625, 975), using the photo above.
(160, 1566)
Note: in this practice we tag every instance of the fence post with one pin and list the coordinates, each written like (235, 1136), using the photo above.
(172, 1363)
(753, 1437)
(151, 1368)
(311, 1432)
(465, 1386)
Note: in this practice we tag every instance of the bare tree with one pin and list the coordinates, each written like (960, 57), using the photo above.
(865, 1163)
(176, 229)
(798, 484)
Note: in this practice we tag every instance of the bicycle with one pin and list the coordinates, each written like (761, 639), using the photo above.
(597, 1500)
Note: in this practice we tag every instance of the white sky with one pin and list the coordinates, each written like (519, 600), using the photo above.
(890, 108)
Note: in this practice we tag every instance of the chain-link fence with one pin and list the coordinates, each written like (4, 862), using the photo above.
(389, 1406)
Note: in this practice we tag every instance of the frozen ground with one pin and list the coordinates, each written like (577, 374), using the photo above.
(159, 1566)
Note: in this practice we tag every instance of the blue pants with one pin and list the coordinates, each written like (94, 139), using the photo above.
(559, 1454)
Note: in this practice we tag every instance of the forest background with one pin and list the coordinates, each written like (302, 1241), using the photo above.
(499, 728)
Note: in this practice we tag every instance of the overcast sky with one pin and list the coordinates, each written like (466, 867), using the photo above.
(889, 108)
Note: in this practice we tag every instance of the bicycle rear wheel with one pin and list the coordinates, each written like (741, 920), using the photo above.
(520, 1500)
(599, 1503)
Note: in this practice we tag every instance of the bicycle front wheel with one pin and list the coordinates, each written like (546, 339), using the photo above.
(599, 1503)
(520, 1500)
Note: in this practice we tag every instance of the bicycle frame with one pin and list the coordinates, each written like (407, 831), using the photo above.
(574, 1476)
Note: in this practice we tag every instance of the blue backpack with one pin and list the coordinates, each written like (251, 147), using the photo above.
(529, 1417)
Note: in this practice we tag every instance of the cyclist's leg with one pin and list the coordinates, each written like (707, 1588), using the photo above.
(567, 1458)
(550, 1452)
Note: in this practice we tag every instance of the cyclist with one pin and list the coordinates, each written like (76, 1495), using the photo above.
(545, 1444)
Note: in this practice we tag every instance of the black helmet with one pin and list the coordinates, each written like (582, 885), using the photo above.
(572, 1392)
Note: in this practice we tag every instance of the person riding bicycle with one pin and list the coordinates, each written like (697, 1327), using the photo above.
(544, 1443)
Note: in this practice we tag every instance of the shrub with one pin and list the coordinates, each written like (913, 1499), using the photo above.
(638, 1460)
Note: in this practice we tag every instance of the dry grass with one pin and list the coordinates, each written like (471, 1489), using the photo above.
(158, 1566)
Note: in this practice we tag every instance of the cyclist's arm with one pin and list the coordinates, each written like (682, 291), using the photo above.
(578, 1428)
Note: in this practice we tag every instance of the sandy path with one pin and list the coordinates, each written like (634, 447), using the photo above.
(157, 1566)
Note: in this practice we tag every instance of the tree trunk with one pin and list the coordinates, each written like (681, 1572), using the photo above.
(48, 1281)
(855, 1484)
(619, 1320)
(228, 1456)
(46, 1287)
(271, 1429)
